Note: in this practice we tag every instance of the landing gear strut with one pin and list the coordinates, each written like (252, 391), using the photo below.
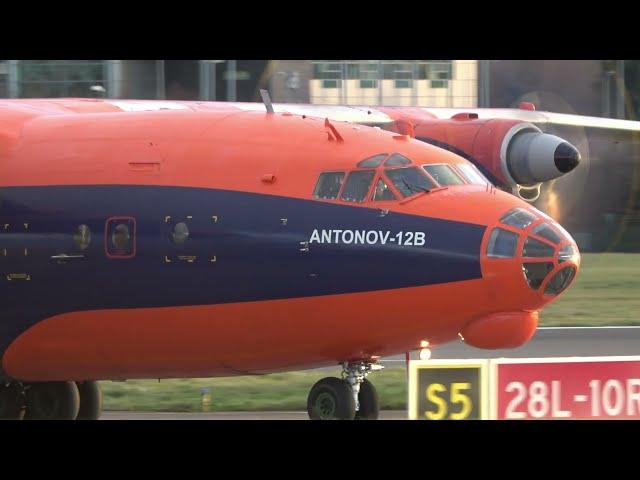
(349, 398)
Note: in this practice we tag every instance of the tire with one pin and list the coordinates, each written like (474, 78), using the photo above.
(53, 401)
(369, 402)
(90, 400)
(12, 401)
(331, 399)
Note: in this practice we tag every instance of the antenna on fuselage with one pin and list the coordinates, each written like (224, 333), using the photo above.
(266, 99)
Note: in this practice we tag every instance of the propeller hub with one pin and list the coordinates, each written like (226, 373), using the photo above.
(566, 157)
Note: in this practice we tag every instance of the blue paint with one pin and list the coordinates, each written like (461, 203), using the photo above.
(257, 256)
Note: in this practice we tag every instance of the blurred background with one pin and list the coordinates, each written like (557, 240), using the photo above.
(598, 203)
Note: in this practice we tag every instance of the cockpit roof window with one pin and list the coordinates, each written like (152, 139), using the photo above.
(372, 162)
(328, 185)
(518, 217)
(545, 231)
(443, 174)
(357, 186)
(536, 248)
(397, 160)
(409, 181)
(473, 174)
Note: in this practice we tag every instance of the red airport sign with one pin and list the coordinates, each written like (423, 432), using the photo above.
(566, 388)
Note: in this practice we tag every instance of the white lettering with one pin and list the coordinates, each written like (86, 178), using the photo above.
(344, 236)
(360, 236)
(326, 236)
(372, 239)
(419, 239)
(314, 236)
(384, 237)
(633, 395)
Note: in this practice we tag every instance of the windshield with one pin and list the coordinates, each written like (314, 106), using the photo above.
(409, 181)
(473, 174)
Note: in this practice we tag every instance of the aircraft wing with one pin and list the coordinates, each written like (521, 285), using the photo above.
(533, 116)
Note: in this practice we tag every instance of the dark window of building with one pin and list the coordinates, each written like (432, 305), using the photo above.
(383, 192)
(409, 180)
(328, 185)
(59, 78)
(357, 186)
(502, 244)
(443, 174)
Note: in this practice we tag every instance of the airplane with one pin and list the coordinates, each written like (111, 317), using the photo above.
(161, 239)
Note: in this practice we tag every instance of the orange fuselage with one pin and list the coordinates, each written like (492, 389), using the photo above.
(270, 277)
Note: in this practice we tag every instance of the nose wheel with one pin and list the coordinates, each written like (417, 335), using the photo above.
(351, 397)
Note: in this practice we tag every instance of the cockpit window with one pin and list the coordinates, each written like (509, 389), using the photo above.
(535, 273)
(535, 248)
(473, 174)
(357, 186)
(518, 217)
(328, 185)
(372, 162)
(566, 253)
(502, 243)
(397, 160)
(560, 281)
(545, 231)
(409, 181)
(443, 174)
(383, 192)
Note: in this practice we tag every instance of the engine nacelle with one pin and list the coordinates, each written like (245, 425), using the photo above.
(530, 157)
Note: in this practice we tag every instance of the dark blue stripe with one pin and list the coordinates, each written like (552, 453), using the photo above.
(258, 257)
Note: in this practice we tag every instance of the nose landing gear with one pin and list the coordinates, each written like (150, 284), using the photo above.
(349, 398)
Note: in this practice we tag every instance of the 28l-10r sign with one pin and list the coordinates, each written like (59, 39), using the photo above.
(569, 388)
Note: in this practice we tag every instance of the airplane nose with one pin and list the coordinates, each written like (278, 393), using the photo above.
(566, 157)
(528, 260)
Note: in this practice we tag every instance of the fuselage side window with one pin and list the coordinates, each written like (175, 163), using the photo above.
(328, 185)
(409, 181)
(383, 192)
(443, 174)
(357, 186)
